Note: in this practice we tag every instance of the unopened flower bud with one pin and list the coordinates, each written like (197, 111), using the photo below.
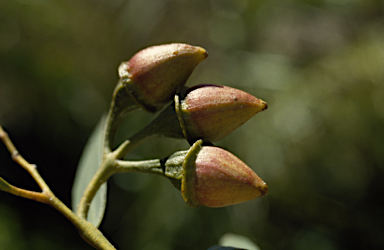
(214, 177)
(153, 75)
(211, 112)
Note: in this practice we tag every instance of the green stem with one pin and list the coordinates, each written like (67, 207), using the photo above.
(32, 195)
(147, 167)
(136, 140)
(122, 104)
(166, 124)
(109, 167)
(88, 231)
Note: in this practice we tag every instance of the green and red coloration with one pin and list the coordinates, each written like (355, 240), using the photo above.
(211, 112)
(214, 177)
(153, 75)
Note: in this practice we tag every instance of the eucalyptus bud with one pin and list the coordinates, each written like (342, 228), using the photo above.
(213, 177)
(211, 112)
(153, 75)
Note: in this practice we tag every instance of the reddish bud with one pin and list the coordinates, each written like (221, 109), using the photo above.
(153, 75)
(211, 112)
(214, 177)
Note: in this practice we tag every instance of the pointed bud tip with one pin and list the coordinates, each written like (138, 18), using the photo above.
(203, 52)
(258, 104)
(263, 188)
(199, 53)
(181, 48)
(263, 105)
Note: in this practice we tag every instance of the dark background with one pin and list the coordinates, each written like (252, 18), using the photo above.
(318, 64)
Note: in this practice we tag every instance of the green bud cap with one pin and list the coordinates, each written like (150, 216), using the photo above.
(153, 75)
(211, 112)
(213, 177)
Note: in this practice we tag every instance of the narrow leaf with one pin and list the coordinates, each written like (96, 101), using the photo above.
(89, 163)
(224, 248)
(235, 241)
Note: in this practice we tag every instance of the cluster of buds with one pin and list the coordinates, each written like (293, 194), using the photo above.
(206, 175)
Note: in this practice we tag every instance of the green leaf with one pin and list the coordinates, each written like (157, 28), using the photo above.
(224, 248)
(234, 242)
(237, 242)
(89, 163)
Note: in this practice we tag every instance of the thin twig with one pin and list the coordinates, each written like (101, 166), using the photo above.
(90, 233)
(30, 168)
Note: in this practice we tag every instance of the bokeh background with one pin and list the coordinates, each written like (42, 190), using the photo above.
(319, 64)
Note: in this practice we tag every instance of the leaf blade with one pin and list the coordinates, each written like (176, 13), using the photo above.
(89, 163)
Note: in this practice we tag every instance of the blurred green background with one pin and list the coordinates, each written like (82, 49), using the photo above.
(319, 64)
